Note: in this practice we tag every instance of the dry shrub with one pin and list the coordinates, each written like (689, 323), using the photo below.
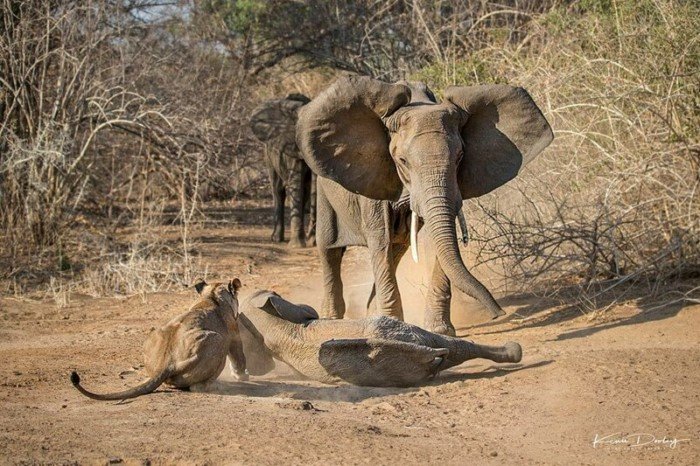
(39, 180)
(111, 111)
(614, 201)
(143, 269)
(143, 258)
(104, 118)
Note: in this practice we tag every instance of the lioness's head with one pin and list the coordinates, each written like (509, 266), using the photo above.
(221, 293)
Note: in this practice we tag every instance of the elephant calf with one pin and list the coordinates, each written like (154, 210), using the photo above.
(374, 351)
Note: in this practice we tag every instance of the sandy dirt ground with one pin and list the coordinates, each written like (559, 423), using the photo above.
(623, 388)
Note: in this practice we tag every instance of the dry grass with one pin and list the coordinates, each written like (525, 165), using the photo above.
(615, 200)
(105, 119)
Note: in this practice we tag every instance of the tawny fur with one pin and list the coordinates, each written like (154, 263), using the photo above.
(190, 351)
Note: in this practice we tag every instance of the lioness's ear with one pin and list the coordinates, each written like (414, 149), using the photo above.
(234, 285)
(199, 285)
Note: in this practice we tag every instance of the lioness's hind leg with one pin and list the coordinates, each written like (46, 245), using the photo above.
(206, 359)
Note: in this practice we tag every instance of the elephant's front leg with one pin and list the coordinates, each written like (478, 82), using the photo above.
(333, 306)
(297, 237)
(437, 311)
(387, 300)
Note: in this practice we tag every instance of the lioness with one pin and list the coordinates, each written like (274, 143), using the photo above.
(190, 350)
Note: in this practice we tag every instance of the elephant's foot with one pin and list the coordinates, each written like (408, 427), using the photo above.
(331, 315)
(277, 236)
(440, 324)
(514, 352)
(393, 313)
(330, 312)
(311, 240)
(204, 387)
(297, 243)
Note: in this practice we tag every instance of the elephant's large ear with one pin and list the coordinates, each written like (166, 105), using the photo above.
(341, 135)
(274, 122)
(503, 131)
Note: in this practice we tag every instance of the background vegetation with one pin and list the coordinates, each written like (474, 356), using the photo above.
(120, 116)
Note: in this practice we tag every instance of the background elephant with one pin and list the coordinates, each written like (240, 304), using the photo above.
(273, 123)
(375, 351)
(389, 158)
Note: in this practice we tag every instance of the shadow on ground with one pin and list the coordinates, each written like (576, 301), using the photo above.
(665, 312)
(295, 389)
(535, 312)
(489, 372)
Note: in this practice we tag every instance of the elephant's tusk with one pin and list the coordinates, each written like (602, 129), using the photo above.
(414, 236)
(463, 227)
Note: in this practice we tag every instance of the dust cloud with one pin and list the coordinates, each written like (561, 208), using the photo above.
(413, 280)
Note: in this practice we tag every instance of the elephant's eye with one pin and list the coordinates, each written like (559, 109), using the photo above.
(403, 161)
(459, 156)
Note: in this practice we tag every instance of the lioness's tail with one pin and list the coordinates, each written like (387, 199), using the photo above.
(147, 387)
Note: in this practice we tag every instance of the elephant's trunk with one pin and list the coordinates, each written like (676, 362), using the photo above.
(439, 215)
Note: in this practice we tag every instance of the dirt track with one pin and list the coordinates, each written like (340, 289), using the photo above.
(634, 371)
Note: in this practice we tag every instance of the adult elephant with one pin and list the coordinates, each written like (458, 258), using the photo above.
(273, 122)
(390, 159)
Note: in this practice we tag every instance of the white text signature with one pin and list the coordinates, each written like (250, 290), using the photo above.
(636, 440)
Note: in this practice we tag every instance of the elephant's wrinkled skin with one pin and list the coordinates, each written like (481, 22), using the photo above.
(374, 351)
(384, 152)
(273, 122)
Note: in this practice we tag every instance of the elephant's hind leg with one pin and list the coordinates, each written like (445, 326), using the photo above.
(310, 185)
(333, 306)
